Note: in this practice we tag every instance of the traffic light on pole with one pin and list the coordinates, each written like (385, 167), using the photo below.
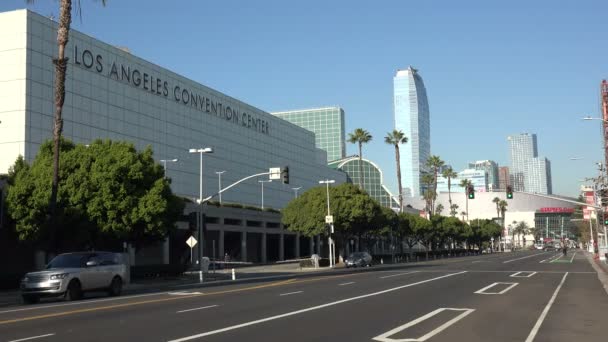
(509, 192)
(285, 175)
(471, 192)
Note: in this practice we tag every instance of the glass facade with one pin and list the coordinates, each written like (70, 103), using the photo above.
(371, 179)
(554, 225)
(412, 117)
(491, 168)
(327, 124)
(529, 172)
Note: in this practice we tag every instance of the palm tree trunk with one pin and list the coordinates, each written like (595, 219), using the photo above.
(467, 207)
(361, 180)
(450, 192)
(61, 63)
(398, 159)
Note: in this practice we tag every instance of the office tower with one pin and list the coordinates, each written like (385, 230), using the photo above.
(529, 172)
(412, 117)
(491, 168)
(503, 177)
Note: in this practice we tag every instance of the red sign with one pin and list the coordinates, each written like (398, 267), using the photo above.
(556, 210)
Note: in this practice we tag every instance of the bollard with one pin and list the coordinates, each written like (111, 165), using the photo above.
(233, 275)
(381, 261)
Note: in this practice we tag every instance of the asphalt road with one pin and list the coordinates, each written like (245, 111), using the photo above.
(525, 296)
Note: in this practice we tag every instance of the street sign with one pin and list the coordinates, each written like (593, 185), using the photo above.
(191, 242)
(329, 219)
(275, 173)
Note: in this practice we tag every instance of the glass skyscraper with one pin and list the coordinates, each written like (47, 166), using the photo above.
(528, 172)
(491, 168)
(413, 119)
(328, 125)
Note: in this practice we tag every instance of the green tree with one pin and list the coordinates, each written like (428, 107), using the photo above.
(434, 163)
(61, 65)
(465, 183)
(355, 212)
(108, 191)
(496, 201)
(396, 138)
(360, 136)
(450, 174)
(439, 209)
(520, 229)
(429, 195)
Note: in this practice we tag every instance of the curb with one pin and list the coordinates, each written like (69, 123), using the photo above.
(602, 274)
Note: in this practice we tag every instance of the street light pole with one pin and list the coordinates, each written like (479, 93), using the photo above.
(330, 241)
(219, 183)
(262, 182)
(201, 217)
(165, 161)
(295, 190)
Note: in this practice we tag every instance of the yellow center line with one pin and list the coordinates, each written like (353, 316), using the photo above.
(160, 300)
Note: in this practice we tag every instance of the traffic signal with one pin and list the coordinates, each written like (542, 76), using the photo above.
(509, 192)
(471, 192)
(606, 222)
(285, 175)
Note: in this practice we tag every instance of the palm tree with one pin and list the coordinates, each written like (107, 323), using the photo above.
(465, 183)
(521, 228)
(360, 136)
(429, 194)
(496, 200)
(61, 65)
(454, 210)
(449, 173)
(434, 163)
(439, 209)
(395, 138)
(463, 213)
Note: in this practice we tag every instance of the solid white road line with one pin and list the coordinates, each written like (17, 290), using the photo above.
(202, 308)
(482, 291)
(398, 274)
(297, 312)
(545, 311)
(573, 257)
(84, 302)
(385, 337)
(183, 293)
(344, 284)
(528, 256)
(517, 275)
(31, 338)
(290, 293)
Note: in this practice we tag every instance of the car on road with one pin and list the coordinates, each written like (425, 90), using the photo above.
(358, 259)
(548, 248)
(72, 274)
(539, 246)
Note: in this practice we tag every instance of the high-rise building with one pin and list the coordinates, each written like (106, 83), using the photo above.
(503, 177)
(529, 172)
(491, 168)
(328, 125)
(412, 118)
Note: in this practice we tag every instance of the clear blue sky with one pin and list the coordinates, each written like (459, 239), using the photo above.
(491, 68)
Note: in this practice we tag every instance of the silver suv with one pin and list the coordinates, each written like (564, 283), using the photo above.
(72, 274)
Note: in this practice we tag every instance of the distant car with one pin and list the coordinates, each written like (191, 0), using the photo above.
(539, 246)
(72, 274)
(358, 259)
(549, 248)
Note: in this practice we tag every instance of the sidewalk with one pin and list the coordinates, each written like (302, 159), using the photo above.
(600, 267)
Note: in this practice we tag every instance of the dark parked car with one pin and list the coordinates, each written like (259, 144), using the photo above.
(358, 259)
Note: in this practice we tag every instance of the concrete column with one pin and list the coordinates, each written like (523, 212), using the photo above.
(297, 246)
(318, 244)
(281, 247)
(131, 252)
(264, 253)
(166, 254)
(243, 246)
(311, 246)
(220, 245)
